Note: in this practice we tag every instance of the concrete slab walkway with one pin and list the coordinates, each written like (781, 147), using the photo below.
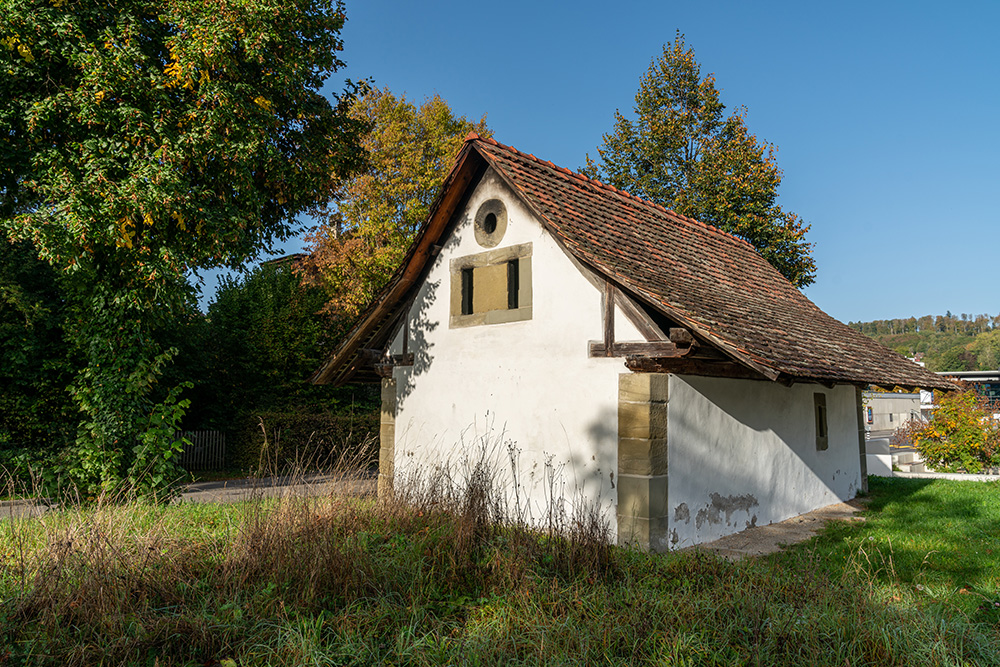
(770, 539)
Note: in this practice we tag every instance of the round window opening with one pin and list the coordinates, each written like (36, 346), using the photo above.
(491, 223)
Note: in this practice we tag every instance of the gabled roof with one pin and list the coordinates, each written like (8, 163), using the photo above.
(690, 273)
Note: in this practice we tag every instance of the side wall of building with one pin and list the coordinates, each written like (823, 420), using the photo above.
(523, 394)
(743, 453)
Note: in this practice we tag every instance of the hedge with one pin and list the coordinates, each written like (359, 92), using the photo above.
(277, 441)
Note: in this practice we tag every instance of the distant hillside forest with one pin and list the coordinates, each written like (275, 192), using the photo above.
(944, 342)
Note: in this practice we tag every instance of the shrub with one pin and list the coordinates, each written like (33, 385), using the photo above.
(962, 434)
(281, 440)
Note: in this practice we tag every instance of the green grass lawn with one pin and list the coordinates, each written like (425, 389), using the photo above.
(935, 543)
(352, 581)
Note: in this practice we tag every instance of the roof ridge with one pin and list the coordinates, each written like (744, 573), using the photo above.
(472, 136)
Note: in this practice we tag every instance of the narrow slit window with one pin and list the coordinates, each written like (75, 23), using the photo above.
(822, 436)
(467, 291)
(513, 283)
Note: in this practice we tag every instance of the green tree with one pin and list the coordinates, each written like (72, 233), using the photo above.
(265, 335)
(986, 347)
(145, 139)
(683, 152)
(36, 362)
(957, 358)
(365, 236)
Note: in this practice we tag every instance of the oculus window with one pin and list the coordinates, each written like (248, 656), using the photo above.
(491, 223)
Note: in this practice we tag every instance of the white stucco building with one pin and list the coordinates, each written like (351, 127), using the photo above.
(608, 353)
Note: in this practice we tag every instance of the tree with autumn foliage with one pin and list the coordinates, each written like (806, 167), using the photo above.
(683, 152)
(144, 140)
(365, 235)
(962, 434)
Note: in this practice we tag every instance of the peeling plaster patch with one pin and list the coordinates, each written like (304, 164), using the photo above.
(752, 523)
(713, 512)
(682, 513)
(674, 539)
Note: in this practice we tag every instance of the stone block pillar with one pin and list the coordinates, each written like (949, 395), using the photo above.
(642, 460)
(387, 438)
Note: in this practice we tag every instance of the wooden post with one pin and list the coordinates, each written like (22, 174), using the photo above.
(609, 319)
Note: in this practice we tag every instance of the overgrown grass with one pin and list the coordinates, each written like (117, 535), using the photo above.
(432, 578)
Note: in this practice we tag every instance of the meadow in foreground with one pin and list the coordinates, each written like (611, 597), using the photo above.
(433, 578)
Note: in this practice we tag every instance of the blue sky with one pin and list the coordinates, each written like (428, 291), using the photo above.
(884, 113)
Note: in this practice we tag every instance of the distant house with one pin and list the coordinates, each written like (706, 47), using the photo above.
(638, 361)
(887, 411)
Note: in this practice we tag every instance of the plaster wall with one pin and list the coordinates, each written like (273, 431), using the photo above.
(743, 453)
(524, 387)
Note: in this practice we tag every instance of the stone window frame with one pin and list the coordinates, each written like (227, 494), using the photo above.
(491, 239)
(497, 256)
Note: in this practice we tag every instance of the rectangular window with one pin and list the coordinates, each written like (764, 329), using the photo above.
(890, 416)
(822, 437)
(492, 287)
(467, 291)
(513, 286)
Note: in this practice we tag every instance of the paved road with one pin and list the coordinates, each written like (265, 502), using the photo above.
(313, 484)
(235, 490)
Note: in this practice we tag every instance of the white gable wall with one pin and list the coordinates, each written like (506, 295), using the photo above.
(530, 383)
(743, 453)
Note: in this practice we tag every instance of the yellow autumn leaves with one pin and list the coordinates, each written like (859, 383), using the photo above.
(14, 44)
(178, 77)
(127, 230)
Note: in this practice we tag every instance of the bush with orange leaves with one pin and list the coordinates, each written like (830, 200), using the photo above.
(962, 435)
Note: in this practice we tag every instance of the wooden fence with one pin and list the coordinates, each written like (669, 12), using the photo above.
(207, 450)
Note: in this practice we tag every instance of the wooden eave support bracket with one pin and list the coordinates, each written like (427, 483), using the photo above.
(687, 366)
(681, 342)
(384, 363)
(656, 349)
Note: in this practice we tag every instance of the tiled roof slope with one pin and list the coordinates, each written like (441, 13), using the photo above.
(703, 278)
